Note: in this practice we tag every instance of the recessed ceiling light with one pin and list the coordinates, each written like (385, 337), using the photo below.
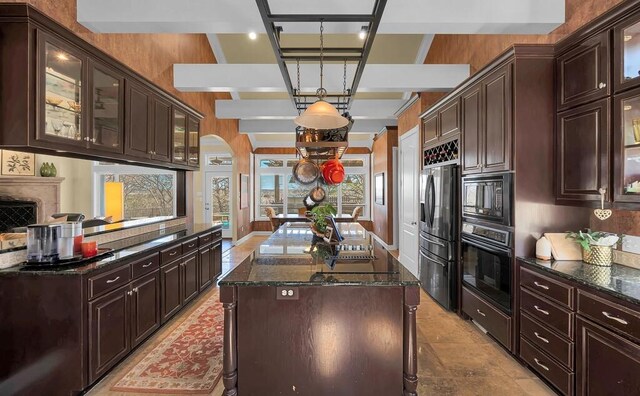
(253, 35)
(628, 37)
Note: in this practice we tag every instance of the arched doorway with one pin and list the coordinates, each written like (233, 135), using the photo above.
(218, 188)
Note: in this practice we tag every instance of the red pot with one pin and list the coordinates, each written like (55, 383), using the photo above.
(333, 171)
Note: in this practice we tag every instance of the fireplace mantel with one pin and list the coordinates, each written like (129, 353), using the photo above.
(44, 191)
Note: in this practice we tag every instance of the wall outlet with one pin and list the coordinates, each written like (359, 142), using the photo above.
(162, 228)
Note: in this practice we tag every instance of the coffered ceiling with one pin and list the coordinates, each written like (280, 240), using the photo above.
(247, 68)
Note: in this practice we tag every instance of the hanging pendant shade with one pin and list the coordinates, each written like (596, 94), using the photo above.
(321, 115)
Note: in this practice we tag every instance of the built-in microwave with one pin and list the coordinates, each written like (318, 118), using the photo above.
(488, 198)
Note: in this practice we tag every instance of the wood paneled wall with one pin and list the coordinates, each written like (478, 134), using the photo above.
(383, 215)
(153, 56)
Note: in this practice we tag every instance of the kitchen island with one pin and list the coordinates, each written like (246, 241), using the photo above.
(303, 317)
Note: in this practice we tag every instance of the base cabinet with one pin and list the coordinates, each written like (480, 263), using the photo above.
(189, 277)
(171, 301)
(145, 307)
(607, 364)
(217, 259)
(205, 263)
(109, 331)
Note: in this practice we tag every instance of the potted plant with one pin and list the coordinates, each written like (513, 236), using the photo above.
(597, 246)
(318, 218)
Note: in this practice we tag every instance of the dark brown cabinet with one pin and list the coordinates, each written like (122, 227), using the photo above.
(583, 72)
(171, 281)
(217, 259)
(106, 119)
(430, 129)
(138, 120)
(161, 136)
(145, 307)
(190, 286)
(179, 153)
(109, 331)
(194, 141)
(607, 364)
(441, 123)
(205, 261)
(582, 152)
(626, 147)
(472, 131)
(626, 44)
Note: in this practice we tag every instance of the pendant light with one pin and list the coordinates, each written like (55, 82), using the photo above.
(321, 114)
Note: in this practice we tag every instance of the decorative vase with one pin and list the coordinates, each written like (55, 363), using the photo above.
(54, 171)
(598, 274)
(598, 255)
(543, 249)
(45, 170)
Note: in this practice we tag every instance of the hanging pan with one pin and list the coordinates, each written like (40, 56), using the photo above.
(317, 194)
(306, 172)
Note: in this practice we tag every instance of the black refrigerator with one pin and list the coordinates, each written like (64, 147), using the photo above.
(439, 233)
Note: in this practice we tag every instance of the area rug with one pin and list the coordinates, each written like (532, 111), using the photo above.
(187, 361)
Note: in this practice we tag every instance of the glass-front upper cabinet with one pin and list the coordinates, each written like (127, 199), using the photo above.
(61, 93)
(179, 136)
(194, 141)
(106, 109)
(627, 141)
(627, 49)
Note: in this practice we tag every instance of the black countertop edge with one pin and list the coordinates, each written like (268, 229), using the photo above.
(301, 284)
(624, 281)
(119, 254)
(107, 228)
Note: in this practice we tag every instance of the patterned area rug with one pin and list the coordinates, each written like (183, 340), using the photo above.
(187, 361)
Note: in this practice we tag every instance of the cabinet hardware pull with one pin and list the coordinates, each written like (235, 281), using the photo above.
(130, 293)
(541, 310)
(173, 253)
(192, 245)
(540, 285)
(602, 85)
(480, 312)
(540, 337)
(135, 290)
(609, 316)
(113, 280)
(146, 265)
(540, 364)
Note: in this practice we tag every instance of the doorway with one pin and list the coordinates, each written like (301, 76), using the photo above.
(217, 204)
(408, 182)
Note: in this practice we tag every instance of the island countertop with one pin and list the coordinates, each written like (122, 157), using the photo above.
(292, 256)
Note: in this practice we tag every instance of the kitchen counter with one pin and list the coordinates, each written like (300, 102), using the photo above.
(292, 256)
(618, 280)
(123, 249)
(341, 318)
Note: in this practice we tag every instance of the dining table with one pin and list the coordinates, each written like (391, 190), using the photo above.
(298, 218)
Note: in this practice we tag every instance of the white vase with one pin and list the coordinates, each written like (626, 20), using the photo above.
(543, 249)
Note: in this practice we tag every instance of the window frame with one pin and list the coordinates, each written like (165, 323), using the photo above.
(286, 172)
(122, 169)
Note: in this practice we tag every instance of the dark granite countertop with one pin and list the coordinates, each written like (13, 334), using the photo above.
(618, 280)
(123, 249)
(290, 258)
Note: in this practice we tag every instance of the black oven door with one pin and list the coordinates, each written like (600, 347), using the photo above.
(487, 270)
(487, 198)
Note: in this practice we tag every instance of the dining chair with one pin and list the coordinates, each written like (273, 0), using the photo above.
(357, 211)
(271, 214)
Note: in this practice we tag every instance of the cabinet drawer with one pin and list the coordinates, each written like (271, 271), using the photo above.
(205, 239)
(217, 234)
(609, 314)
(549, 288)
(492, 319)
(190, 246)
(170, 254)
(145, 265)
(547, 312)
(546, 367)
(103, 283)
(546, 340)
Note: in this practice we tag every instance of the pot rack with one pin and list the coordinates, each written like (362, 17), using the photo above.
(321, 149)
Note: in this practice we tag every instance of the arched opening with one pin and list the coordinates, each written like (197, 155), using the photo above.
(216, 189)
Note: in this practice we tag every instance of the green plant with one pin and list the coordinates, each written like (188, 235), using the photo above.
(319, 214)
(587, 238)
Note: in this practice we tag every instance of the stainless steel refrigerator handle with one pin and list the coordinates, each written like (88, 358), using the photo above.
(427, 202)
(432, 260)
(433, 201)
(431, 241)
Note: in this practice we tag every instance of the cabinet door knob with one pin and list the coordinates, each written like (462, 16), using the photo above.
(135, 290)
(130, 293)
(602, 85)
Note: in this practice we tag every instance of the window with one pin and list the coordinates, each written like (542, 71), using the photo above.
(147, 192)
(278, 189)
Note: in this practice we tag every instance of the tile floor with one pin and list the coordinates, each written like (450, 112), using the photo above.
(454, 357)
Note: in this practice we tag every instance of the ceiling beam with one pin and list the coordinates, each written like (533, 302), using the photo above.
(400, 17)
(271, 109)
(267, 77)
(287, 126)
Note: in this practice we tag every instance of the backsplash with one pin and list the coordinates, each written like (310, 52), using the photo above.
(16, 257)
(622, 222)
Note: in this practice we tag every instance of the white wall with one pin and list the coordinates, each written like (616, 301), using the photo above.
(76, 191)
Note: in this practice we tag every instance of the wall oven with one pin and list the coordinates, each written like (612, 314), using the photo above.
(487, 262)
(487, 198)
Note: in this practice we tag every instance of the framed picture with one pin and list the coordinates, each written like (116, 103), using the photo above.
(379, 188)
(17, 163)
(244, 191)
